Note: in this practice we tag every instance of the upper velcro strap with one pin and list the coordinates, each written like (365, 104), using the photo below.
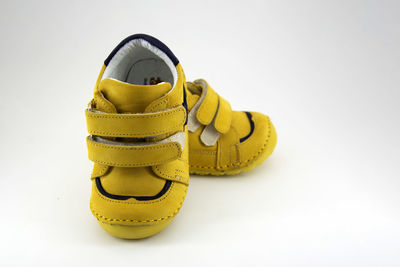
(137, 125)
(213, 109)
(223, 118)
(131, 154)
(208, 106)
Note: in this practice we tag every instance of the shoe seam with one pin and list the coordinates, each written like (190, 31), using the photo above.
(101, 217)
(137, 203)
(247, 161)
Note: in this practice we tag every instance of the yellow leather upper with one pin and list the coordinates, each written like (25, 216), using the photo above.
(223, 141)
(135, 153)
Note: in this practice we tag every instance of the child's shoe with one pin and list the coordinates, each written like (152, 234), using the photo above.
(138, 142)
(222, 141)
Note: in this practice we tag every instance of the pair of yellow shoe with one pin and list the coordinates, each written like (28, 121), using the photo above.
(149, 129)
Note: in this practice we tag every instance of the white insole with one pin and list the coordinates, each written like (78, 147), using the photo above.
(149, 71)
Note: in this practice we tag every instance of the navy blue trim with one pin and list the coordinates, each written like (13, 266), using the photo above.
(153, 41)
(184, 104)
(250, 117)
(167, 185)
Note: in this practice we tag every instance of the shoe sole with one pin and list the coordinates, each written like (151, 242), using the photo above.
(134, 231)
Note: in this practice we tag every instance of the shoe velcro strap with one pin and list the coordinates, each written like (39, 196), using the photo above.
(136, 125)
(132, 155)
(208, 106)
(223, 118)
(213, 109)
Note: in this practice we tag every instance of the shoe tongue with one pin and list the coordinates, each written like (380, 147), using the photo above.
(132, 98)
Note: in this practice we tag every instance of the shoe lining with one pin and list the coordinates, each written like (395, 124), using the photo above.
(139, 62)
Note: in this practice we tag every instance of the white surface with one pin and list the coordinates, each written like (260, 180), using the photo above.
(327, 72)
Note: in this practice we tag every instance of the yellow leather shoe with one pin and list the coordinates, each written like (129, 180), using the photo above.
(222, 141)
(138, 142)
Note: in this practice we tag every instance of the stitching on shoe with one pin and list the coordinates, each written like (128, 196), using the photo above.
(134, 148)
(101, 217)
(116, 147)
(177, 176)
(137, 203)
(165, 101)
(115, 116)
(171, 127)
(206, 152)
(247, 161)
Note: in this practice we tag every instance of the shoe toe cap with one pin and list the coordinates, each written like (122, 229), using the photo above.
(132, 218)
(259, 143)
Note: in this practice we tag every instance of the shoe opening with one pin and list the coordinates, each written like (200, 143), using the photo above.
(138, 61)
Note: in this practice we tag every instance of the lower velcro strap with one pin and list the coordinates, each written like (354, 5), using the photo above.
(131, 154)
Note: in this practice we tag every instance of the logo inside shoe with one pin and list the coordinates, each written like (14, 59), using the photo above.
(152, 81)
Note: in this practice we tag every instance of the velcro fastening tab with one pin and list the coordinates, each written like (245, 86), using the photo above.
(137, 125)
(132, 155)
(224, 116)
(208, 107)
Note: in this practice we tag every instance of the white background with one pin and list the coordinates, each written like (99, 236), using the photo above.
(327, 73)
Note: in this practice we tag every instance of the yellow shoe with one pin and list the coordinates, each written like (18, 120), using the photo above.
(138, 142)
(222, 141)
